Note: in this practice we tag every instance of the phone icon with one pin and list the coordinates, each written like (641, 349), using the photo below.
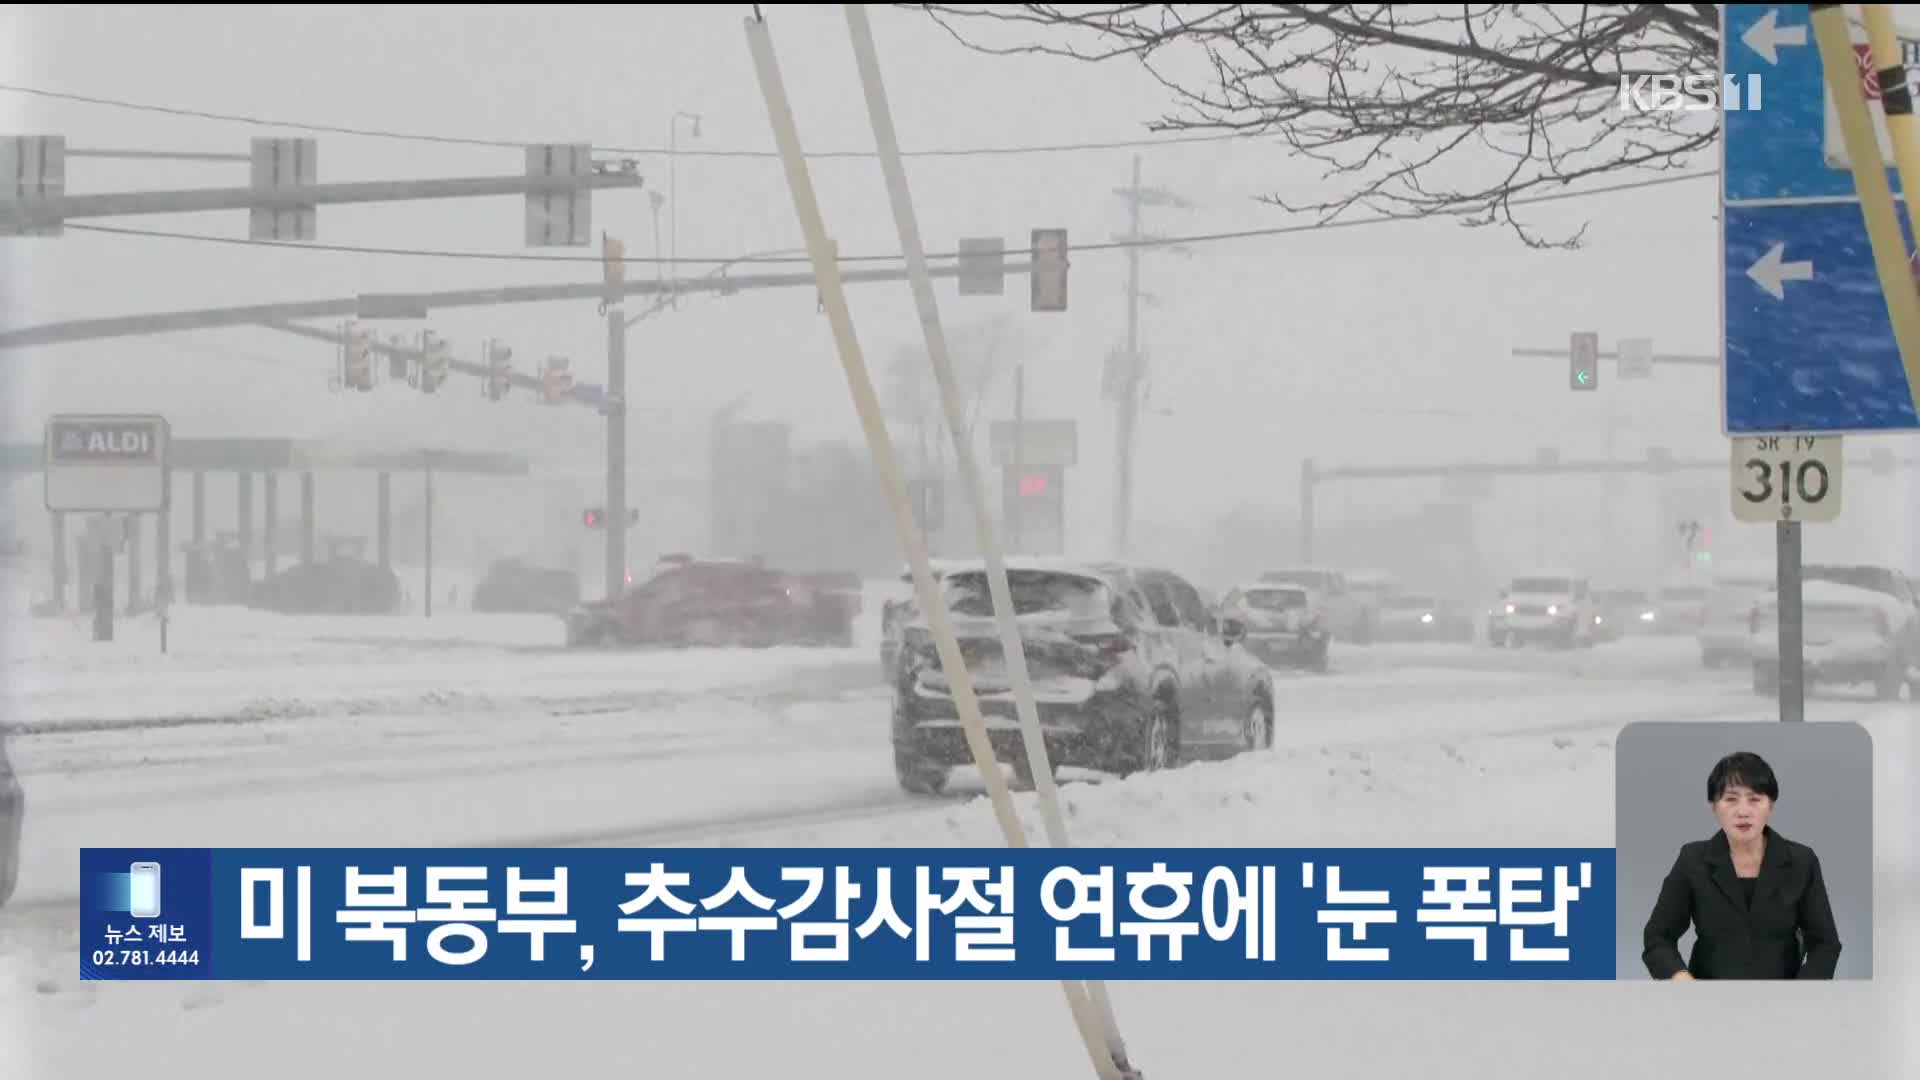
(143, 894)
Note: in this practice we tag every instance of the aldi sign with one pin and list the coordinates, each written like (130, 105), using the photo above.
(106, 463)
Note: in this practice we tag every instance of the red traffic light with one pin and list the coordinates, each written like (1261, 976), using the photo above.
(1033, 484)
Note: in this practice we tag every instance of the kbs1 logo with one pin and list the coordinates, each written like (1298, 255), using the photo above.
(1689, 93)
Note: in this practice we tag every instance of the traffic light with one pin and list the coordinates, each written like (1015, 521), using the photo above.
(591, 519)
(499, 371)
(1048, 274)
(357, 364)
(613, 256)
(557, 382)
(1583, 361)
(435, 356)
(1033, 485)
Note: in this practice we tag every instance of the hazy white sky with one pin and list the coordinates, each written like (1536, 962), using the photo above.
(1262, 350)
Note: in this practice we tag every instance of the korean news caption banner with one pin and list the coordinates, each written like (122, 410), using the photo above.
(854, 913)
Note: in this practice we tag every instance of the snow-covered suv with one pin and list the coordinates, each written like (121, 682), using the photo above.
(1552, 607)
(1130, 671)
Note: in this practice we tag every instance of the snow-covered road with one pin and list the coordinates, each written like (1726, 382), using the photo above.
(276, 732)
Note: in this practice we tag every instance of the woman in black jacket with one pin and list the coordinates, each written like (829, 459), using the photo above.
(1756, 900)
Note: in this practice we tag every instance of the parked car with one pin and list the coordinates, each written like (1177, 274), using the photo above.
(1283, 625)
(1553, 607)
(1131, 673)
(513, 585)
(334, 586)
(1422, 617)
(13, 812)
(1352, 614)
(1849, 635)
(713, 602)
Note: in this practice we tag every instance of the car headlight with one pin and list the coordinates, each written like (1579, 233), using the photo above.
(1427, 618)
(1553, 609)
(1647, 616)
(1510, 609)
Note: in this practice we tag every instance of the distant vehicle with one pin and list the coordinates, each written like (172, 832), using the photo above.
(1726, 628)
(1680, 609)
(1352, 614)
(13, 812)
(1422, 617)
(825, 605)
(335, 586)
(1551, 607)
(1131, 673)
(1284, 625)
(714, 603)
(513, 585)
(1620, 612)
(1850, 634)
(1375, 587)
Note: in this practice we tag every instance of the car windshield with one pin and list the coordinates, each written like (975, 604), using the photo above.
(1547, 585)
(1034, 592)
(1276, 599)
(1624, 596)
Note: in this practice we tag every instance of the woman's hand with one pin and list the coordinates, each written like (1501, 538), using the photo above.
(1682, 976)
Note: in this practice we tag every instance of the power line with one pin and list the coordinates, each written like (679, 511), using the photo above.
(508, 144)
(1116, 245)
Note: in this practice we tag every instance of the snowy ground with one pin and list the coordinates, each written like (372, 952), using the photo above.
(465, 730)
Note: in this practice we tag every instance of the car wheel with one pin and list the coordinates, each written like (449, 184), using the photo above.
(1258, 732)
(1155, 741)
(918, 776)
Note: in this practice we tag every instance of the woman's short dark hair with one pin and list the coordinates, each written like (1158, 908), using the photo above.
(1745, 769)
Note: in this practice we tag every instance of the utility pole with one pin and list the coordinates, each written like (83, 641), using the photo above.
(613, 255)
(616, 407)
(1130, 384)
(427, 461)
(1019, 455)
(1126, 386)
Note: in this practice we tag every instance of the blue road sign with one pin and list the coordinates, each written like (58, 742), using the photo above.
(1809, 344)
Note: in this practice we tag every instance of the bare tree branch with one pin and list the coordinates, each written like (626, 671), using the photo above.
(1414, 110)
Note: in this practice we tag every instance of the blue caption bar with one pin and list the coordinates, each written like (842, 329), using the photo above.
(850, 913)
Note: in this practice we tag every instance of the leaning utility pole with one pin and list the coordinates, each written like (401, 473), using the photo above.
(1124, 385)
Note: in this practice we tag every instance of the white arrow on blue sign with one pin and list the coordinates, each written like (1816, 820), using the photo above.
(1809, 343)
